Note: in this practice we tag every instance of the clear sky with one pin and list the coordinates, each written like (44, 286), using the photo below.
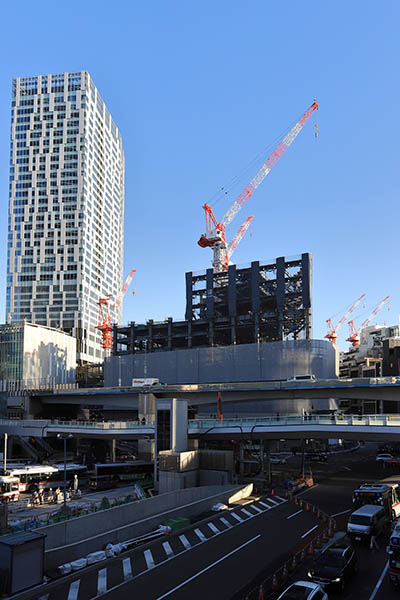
(198, 90)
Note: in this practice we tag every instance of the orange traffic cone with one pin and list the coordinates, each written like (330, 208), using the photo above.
(261, 592)
(293, 564)
(308, 508)
(301, 503)
(275, 584)
(310, 549)
(330, 533)
(285, 572)
(272, 492)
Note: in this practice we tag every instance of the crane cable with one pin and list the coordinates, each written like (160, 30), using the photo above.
(259, 158)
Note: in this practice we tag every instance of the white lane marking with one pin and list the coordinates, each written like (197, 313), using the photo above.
(378, 585)
(225, 522)
(246, 512)
(73, 590)
(201, 535)
(127, 567)
(308, 489)
(208, 568)
(273, 501)
(102, 581)
(149, 559)
(257, 508)
(213, 528)
(294, 514)
(168, 549)
(235, 516)
(342, 513)
(309, 531)
(281, 499)
(267, 506)
(185, 541)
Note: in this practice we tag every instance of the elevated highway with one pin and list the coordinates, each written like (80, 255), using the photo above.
(367, 389)
(351, 427)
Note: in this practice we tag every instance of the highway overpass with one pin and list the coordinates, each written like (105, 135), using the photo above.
(377, 390)
(350, 427)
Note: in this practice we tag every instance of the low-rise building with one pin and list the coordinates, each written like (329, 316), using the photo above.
(35, 357)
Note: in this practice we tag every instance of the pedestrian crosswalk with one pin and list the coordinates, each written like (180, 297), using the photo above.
(94, 583)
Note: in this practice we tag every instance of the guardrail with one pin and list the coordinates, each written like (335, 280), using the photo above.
(201, 425)
(276, 421)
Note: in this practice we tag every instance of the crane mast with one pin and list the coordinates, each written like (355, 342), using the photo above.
(354, 336)
(104, 317)
(214, 237)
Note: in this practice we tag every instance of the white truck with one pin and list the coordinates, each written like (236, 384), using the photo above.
(146, 381)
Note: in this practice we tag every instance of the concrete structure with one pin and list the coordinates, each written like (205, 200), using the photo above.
(34, 357)
(66, 207)
(260, 303)
(391, 356)
(366, 360)
(77, 537)
(274, 361)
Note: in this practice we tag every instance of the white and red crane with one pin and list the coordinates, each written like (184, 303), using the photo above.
(214, 237)
(354, 336)
(104, 317)
(332, 334)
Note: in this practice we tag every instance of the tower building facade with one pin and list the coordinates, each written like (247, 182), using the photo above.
(66, 207)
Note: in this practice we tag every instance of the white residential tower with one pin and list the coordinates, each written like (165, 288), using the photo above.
(66, 207)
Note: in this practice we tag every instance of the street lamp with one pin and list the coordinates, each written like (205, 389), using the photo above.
(65, 437)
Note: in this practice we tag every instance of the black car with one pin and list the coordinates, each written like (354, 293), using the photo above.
(334, 566)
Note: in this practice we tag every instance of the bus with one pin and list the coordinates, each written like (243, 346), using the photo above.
(9, 488)
(383, 494)
(108, 475)
(34, 477)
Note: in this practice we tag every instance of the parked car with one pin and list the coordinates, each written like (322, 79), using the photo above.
(304, 590)
(335, 565)
(384, 457)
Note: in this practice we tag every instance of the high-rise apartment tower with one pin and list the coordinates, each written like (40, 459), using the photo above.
(66, 207)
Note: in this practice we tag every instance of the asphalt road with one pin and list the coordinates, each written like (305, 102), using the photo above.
(227, 557)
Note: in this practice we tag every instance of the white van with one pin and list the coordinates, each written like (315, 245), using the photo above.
(367, 520)
(302, 378)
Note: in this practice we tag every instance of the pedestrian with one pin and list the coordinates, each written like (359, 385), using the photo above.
(277, 416)
(143, 421)
(373, 543)
(41, 496)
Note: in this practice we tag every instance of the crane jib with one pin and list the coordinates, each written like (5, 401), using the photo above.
(266, 167)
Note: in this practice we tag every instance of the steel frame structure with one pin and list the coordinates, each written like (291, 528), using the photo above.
(260, 303)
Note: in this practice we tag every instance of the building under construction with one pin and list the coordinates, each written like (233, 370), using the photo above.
(261, 303)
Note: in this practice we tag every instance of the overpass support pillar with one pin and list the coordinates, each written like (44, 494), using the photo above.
(113, 448)
(241, 461)
(265, 451)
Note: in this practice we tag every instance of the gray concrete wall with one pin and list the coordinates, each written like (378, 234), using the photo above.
(243, 362)
(76, 538)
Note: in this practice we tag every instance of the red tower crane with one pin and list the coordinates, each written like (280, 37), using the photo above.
(214, 237)
(354, 336)
(104, 317)
(332, 331)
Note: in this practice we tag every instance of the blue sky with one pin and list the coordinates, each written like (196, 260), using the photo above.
(198, 90)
